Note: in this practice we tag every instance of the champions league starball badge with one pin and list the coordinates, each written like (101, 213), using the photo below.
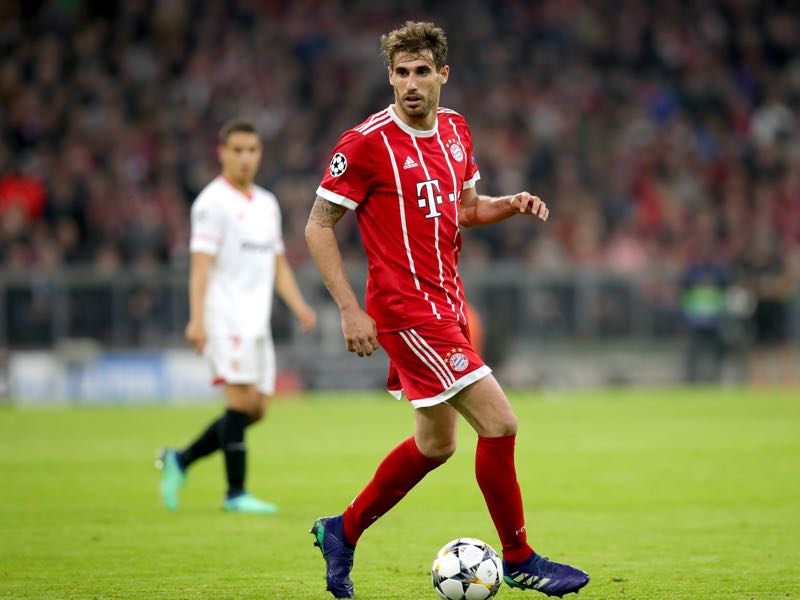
(338, 164)
(457, 360)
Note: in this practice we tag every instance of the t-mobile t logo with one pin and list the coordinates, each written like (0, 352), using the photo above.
(430, 197)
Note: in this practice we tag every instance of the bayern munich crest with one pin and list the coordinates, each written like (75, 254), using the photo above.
(338, 164)
(456, 152)
(457, 360)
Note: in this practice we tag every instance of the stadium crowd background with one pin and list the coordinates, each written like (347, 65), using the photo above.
(659, 133)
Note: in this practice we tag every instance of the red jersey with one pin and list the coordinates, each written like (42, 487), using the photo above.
(405, 186)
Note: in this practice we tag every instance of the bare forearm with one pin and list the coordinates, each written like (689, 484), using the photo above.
(325, 251)
(487, 210)
(198, 284)
(286, 285)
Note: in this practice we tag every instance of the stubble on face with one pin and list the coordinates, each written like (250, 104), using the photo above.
(419, 102)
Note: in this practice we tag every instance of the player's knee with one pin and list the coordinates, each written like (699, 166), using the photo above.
(502, 427)
(259, 408)
(511, 427)
(439, 450)
(256, 414)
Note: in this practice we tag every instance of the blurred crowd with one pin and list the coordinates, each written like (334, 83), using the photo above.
(660, 133)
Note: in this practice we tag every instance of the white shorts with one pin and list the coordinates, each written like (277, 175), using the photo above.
(238, 360)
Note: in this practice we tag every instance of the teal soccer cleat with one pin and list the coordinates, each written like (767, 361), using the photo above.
(245, 503)
(172, 478)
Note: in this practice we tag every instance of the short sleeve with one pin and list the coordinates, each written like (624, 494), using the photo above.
(207, 226)
(472, 174)
(347, 179)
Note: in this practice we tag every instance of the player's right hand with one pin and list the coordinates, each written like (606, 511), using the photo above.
(360, 332)
(196, 335)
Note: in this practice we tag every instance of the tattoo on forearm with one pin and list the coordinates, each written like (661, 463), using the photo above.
(325, 213)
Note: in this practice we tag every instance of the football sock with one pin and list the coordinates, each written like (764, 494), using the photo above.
(205, 444)
(402, 469)
(497, 478)
(232, 442)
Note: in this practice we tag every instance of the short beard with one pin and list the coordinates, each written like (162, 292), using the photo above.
(425, 108)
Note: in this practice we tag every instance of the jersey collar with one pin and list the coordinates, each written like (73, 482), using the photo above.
(246, 195)
(410, 130)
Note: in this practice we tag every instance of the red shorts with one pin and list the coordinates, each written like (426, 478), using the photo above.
(431, 363)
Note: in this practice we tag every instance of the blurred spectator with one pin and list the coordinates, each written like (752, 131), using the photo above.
(763, 271)
(23, 195)
(703, 305)
(629, 118)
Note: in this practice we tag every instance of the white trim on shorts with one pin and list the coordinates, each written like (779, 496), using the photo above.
(451, 391)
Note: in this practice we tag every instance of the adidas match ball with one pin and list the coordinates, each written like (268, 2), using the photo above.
(467, 569)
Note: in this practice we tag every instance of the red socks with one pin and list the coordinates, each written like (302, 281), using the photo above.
(405, 466)
(497, 478)
(402, 469)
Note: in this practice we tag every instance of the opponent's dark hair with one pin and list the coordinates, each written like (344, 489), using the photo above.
(236, 125)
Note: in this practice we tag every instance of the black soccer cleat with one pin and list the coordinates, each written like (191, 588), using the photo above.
(543, 575)
(338, 553)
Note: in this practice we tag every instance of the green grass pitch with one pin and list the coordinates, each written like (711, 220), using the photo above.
(657, 494)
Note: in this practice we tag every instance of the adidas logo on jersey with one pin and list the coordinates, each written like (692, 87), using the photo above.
(409, 164)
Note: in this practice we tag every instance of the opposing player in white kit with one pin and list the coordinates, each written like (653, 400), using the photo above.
(237, 257)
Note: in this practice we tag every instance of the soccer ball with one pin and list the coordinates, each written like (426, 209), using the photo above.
(467, 569)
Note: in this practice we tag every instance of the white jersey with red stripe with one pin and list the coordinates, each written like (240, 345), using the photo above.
(243, 233)
(405, 186)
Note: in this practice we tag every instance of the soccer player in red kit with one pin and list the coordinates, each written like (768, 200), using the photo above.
(409, 173)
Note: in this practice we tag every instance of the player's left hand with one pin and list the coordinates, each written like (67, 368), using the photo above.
(307, 318)
(527, 204)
